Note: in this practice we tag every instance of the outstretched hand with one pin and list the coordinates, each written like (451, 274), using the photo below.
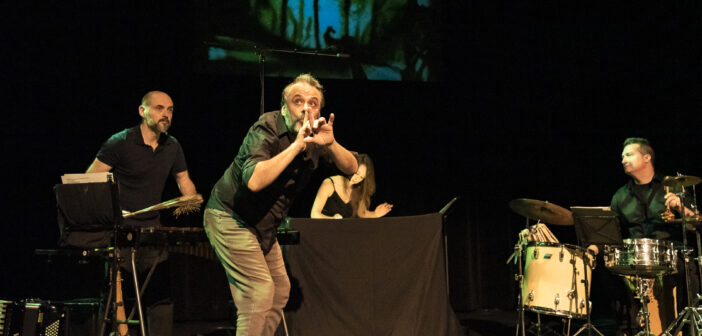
(322, 132)
(382, 209)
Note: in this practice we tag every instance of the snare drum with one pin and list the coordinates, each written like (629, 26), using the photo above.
(641, 256)
(553, 279)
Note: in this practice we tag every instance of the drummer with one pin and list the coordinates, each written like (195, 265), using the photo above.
(639, 205)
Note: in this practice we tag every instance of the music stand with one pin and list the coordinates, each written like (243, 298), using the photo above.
(444, 214)
(90, 217)
(594, 226)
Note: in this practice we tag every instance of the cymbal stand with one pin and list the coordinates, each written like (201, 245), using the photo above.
(518, 253)
(519, 277)
(695, 210)
(698, 261)
(690, 314)
(536, 326)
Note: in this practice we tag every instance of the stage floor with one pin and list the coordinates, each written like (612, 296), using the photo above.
(497, 322)
(482, 322)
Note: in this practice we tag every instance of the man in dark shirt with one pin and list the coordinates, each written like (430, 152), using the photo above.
(274, 163)
(142, 157)
(639, 205)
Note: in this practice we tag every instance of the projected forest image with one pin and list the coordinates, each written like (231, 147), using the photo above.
(351, 39)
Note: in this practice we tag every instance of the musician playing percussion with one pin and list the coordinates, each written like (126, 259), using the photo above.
(639, 205)
(141, 159)
(275, 161)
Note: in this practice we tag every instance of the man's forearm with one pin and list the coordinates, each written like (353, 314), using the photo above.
(185, 184)
(343, 159)
(265, 172)
(187, 188)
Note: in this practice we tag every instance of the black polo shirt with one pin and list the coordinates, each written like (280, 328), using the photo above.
(639, 208)
(261, 212)
(141, 171)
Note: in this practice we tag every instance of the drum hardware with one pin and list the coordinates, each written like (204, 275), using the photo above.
(530, 298)
(539, 328)
(561, 255)
(643, 287)
(643, 259)
(519, 278)
(690, 315)
(517, 255)
(547, 288)
(587, 305)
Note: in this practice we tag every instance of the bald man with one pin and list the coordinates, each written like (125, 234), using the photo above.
(142, 157)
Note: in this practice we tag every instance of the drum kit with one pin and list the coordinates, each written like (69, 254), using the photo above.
(554, 278)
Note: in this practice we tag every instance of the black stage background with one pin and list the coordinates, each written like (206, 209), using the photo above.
(536, 101)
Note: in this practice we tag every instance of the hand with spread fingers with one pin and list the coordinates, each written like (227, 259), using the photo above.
(322, 131)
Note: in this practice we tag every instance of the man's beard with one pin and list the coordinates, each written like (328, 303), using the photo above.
(160, 127)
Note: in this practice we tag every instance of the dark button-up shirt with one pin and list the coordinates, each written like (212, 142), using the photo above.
(141, 171)
(639, 208)
(261, 212)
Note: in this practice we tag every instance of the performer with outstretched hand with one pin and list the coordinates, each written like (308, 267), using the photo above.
(276, 160)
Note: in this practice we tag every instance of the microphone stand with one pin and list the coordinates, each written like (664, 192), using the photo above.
(262, 59)
(261, 51)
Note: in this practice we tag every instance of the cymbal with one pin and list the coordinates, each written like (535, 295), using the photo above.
(544, 211)
(681, 181)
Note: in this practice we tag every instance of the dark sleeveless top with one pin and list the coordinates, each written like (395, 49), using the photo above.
(335, 205)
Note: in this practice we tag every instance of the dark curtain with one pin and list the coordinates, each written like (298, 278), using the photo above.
(382, 276)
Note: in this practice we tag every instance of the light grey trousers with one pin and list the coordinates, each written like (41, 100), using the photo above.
(259, 284)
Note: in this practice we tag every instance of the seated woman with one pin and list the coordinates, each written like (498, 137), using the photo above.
(349, 196)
